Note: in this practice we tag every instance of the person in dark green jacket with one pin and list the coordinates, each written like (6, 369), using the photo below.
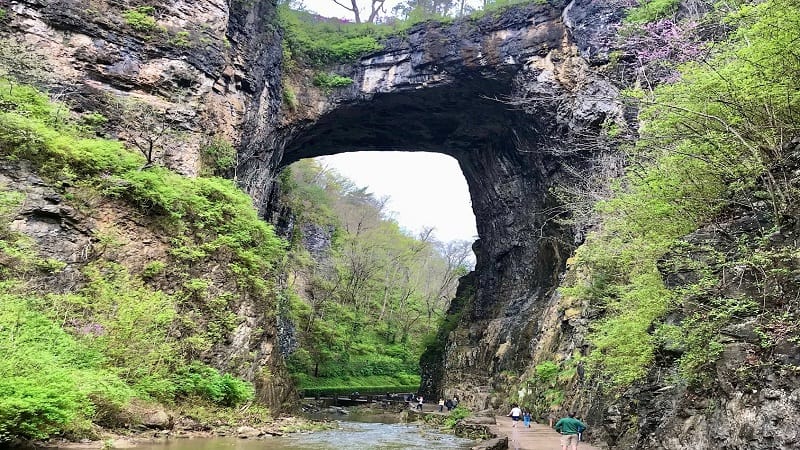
(569, 427)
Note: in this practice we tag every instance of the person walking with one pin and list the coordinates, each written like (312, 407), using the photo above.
(526, 418)
(569, 428)
(551, 417)
(420, 402)
(515, 415)
(441, 405)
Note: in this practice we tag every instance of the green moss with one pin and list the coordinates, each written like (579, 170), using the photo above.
(289, 97)
(458, 413)
(153, 269)
(182, 39)
(218, 156)
(546, 372)
(141, 19)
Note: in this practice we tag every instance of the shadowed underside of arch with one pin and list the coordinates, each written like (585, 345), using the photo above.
(450, 119)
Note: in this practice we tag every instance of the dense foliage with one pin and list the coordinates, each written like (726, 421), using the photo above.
(708, 140)
(371, 298)
(71, 358)
(313, 40)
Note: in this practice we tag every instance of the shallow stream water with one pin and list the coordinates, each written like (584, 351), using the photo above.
(350, 435)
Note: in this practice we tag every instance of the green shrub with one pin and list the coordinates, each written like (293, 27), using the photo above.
(207, 383)
(153, 269)
(703, 146)
(181, 39)
(702, 335)
(318, 43)
(546, 372)
(300, 362)
(218, 156)
(330, 81)
(36, 408)
(91, 124)
(289, 97)
(31, 129)
(49, 381)
(651, 10)
(141, 18)
(456, 414)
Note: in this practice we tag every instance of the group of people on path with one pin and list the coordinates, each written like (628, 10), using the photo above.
(569, 427)
(449, 403)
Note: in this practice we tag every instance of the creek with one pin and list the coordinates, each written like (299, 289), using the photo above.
(356, 432)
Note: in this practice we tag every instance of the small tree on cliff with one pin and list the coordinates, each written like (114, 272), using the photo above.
(143, 126)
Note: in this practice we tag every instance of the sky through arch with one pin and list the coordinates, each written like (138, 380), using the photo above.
(425, 189)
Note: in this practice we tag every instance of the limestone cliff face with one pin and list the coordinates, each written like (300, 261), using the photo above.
(210, 65)
(212, 68)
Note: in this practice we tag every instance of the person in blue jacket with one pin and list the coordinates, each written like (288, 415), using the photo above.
(526, 418)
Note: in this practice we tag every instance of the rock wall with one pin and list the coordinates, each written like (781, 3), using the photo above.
(211, 68)
(209, 65)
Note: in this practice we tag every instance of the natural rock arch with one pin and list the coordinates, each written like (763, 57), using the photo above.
(455, 90)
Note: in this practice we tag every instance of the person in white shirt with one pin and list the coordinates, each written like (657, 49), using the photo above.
(515, 414)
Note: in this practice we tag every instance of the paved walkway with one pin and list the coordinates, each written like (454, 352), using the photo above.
(537, 437)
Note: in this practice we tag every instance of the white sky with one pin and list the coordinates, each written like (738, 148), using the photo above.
(425, 189)
(328, 8)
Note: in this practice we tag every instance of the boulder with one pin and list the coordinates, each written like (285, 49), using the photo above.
(246, 432)
(493, 444)
(158, 419)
